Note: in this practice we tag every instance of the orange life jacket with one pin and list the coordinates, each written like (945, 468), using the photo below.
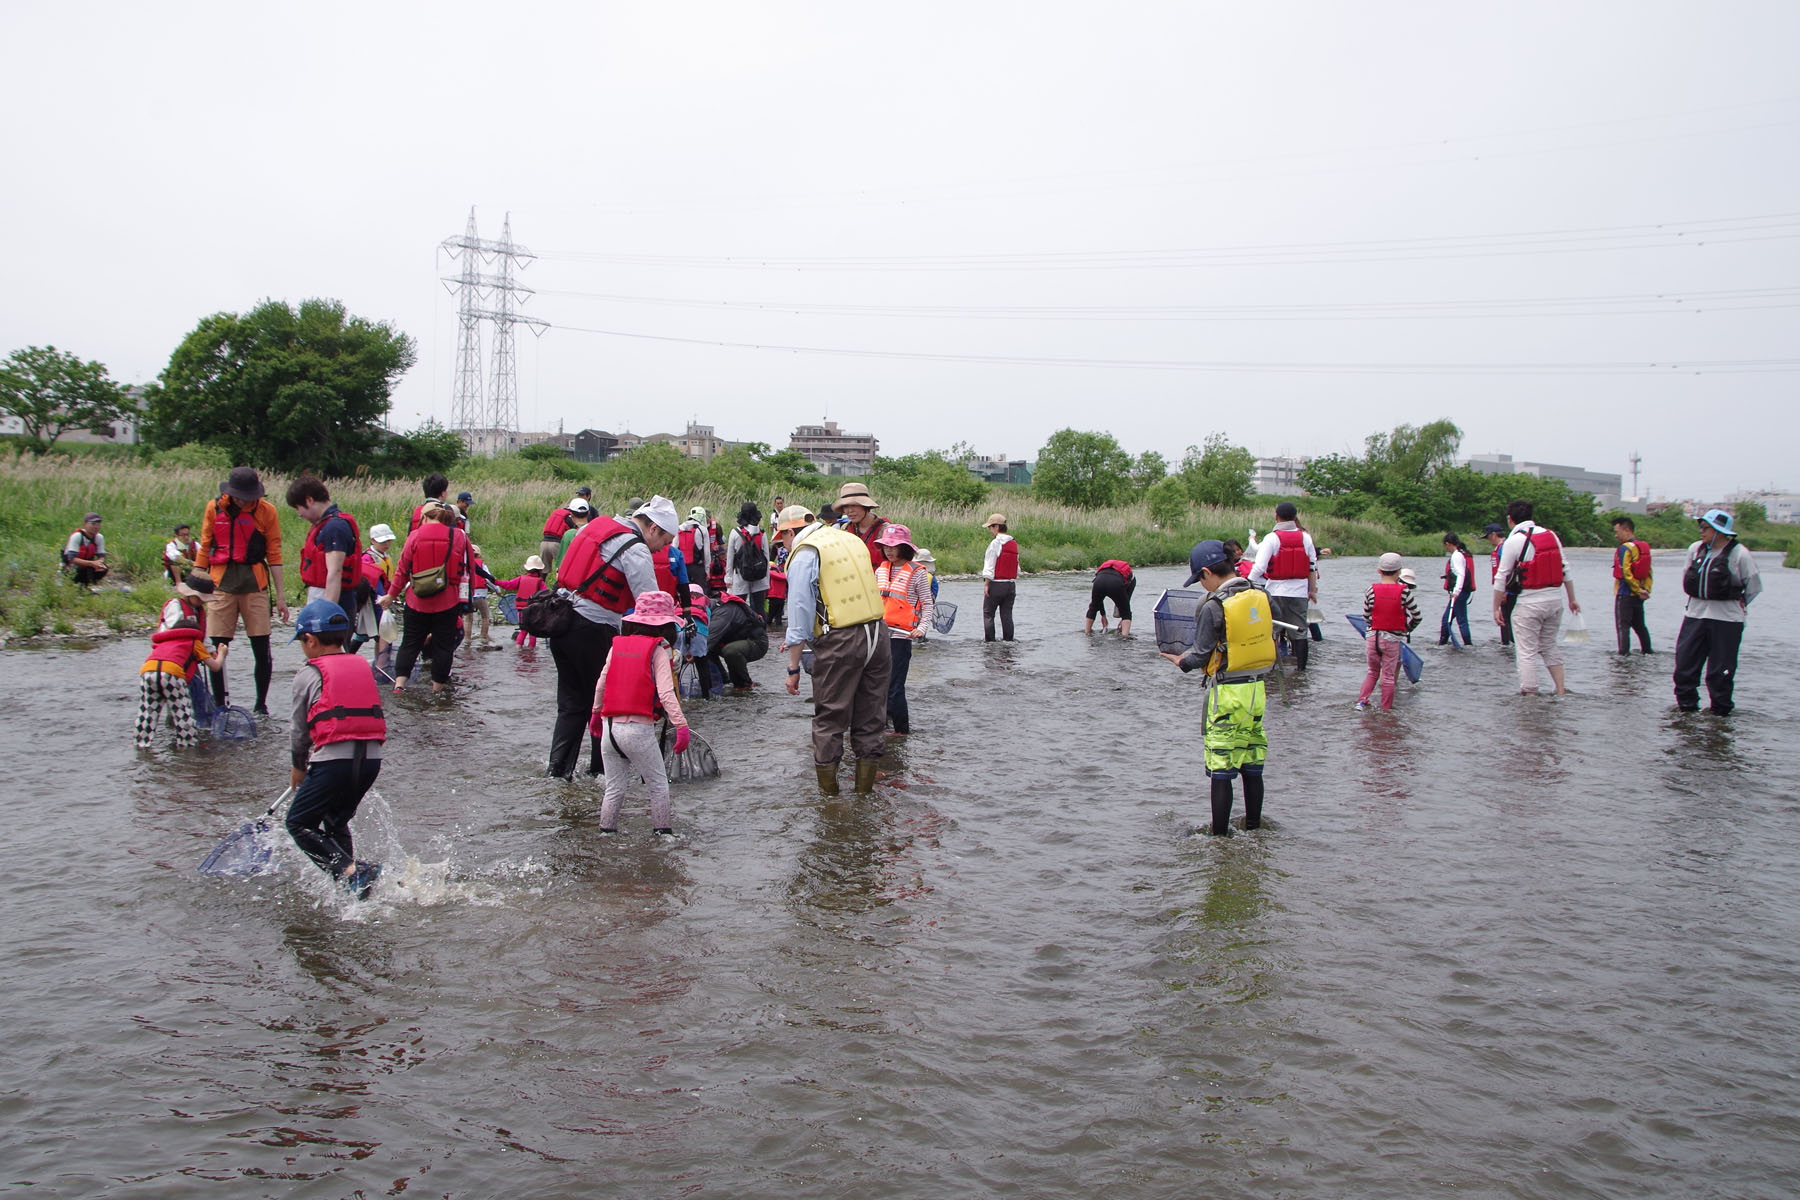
(897, 610)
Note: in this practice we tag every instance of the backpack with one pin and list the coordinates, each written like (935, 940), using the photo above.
(751, 563)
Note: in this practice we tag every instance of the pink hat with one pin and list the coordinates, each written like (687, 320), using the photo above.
(895, 535)
(696, 590)
(654, 608)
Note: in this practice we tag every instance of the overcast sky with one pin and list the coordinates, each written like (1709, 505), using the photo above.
(1568, 227)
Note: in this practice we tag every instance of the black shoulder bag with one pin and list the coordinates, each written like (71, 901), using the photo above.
(553, 615)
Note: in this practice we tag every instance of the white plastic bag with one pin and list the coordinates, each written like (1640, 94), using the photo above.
(1575, 630)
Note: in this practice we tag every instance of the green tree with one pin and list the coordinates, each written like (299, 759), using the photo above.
(544, 452)
(1218, 473)
(282, 387)
(1168, 501)
(1335, 475)
(1083, 470)
(654, 468)
(1148, 469)
(52, 392)
(935, 475)
(428, 448)
(1749, 514)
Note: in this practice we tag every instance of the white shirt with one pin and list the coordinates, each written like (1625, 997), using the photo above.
(1459, 571)
(1265, 554)
(1517, 549)
(992, 557)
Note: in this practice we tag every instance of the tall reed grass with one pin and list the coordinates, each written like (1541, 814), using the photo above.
(42, 500)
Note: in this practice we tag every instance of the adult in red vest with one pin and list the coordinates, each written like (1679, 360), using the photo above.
(559, 522)
(334, 540)
(1287, 567)
(1459, 581)
(857, 509)
(1000, 575)
(1115, 582)
(1532, 558)
(433, 604)
(336, 744)
(609, 564)
(1631, 585)
(240, 546)
(85, 552)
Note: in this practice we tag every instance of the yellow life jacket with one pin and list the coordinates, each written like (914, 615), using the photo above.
(1247, 650)
(847, 591)
(902, 614)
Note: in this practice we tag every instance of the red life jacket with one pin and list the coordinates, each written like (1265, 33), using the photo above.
(689, 541)
(176, 647)
(1244, 567)
(1119, 565)
(1494, 563)
(1641, 568)
(88, 548)
(313, 570)
(418, 517)
(349, 705)
(777, 584)
(558, 523)
(432, 548)
(236, 539)
(371, 572)
(1290, 559)
(608, 588)
(1544, 569)
(715, 571)
(1006, 564)
(1468, 572)
(665, 575)
(1389, 615)
(630, 682)
(189, 548)
(529, 586)
(876, 556)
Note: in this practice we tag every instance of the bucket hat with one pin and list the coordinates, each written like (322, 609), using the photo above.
(1720, 520)
(194, 585)
(1207, 555)
(924, 556)
(896, 535)
(243, 484)
(1389, 563)
(1408, 575)
(856, 492)
(697, 515)
(534, 563)
(654, 608)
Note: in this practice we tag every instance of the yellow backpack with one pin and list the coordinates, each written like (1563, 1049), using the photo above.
(1248, 648)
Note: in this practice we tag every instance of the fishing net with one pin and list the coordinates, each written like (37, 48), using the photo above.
(233, 723)
(696, 762)
(250, 848)
(943, 616)
(203, 701)
(509, 608)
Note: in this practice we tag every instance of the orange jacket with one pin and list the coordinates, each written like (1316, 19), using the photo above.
(268, 523)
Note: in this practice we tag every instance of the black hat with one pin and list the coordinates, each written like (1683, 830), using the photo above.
(244, 484)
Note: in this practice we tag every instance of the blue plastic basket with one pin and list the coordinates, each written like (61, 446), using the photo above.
(1175, 613)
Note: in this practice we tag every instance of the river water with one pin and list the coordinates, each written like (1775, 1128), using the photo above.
(1486, 945)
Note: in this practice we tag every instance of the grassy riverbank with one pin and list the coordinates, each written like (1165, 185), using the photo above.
(41, 501)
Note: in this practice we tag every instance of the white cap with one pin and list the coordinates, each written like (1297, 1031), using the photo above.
(661, 512)
(380, 533)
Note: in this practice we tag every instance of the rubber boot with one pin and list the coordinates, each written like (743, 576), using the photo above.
(865, 774)
(1221, 805)
(827, 778)
(1253, 798)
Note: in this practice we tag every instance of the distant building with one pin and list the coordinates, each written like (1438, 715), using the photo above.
(122, 432)
(700, 442)
(1278, 476)
(1781, 506)
(1606, 489)
(593, 446)
(832, 450)
(999, 469)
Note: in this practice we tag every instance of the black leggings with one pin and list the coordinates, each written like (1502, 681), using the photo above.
(997, 598)
(1110, 585)
(1221, 802)
(264, 672)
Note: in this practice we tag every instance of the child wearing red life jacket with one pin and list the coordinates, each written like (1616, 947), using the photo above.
(1392, 611)
(339, 732)
(177, 649)
(524, 586)
(637, 686)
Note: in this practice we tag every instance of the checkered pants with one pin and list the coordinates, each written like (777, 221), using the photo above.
(155, 690)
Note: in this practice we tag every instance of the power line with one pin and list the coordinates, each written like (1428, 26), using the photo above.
(1665, 367)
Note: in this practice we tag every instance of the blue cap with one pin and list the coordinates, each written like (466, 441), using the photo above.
(320, 616)
(1208, 554)
(469, 496)
(1720, 520)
